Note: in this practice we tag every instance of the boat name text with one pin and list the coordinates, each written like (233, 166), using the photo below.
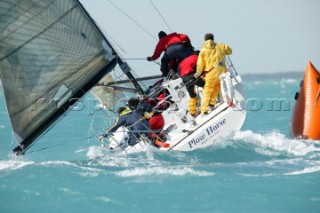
(214, 128)
(210, 130)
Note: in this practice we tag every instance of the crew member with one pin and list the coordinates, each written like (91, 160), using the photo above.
(147, 112)
(132, 120)
(211, 61)
(176, 47)
(187, 69)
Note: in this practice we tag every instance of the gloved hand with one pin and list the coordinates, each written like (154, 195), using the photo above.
(100, 138)
(148, 115)
(197, 74)
(149, 58)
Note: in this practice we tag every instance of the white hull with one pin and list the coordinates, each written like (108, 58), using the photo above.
(203, 131)
(220, 123)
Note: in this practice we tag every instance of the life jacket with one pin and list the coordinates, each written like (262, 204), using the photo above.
(125, 111)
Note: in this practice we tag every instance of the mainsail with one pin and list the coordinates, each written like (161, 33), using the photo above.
(51, 54)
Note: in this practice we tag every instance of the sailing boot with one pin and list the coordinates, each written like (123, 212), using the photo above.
(193, 105)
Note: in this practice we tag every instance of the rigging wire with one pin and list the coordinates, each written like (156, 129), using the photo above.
(60, 144)
(92, 129)
(154, 6)
(116, 45)
(144, 67)
(109, 37)
(139, 25)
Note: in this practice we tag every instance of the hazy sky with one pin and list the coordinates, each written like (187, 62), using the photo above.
(266, 36)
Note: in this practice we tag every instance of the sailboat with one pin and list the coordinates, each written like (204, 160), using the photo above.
(186, 133)
(52, 54)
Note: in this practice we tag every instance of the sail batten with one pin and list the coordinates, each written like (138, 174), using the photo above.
(51, 54)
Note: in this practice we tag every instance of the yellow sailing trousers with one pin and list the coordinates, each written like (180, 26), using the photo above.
(211, 89)
(193, 102)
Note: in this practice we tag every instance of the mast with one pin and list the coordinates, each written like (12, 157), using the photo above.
(126, 70)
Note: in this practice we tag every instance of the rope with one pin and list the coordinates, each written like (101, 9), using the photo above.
(160, 15)
(132, 20)
(156, 63)
(134, 59)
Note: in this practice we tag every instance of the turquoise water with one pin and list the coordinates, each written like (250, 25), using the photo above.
(258, 169)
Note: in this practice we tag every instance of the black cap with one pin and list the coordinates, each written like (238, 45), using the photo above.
(161, 34)
(208, 36)
(133, 102)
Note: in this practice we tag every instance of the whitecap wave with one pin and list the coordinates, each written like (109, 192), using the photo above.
(101, 156)
(305, 170)
(96, 151)
(14, 164)
(162, 171)
(90, 171)
(275, 143)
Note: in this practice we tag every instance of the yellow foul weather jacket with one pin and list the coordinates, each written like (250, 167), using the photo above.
(211, 60)
(210, 56)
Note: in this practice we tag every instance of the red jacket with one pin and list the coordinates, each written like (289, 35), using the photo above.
(166, 41)
(156, 122)
(187, 65)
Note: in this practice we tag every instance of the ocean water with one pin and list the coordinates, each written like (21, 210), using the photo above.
(257, 169)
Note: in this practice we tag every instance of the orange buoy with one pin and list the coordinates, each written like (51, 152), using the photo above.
(305, 121)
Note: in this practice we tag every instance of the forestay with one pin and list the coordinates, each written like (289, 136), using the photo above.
(51, 54)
